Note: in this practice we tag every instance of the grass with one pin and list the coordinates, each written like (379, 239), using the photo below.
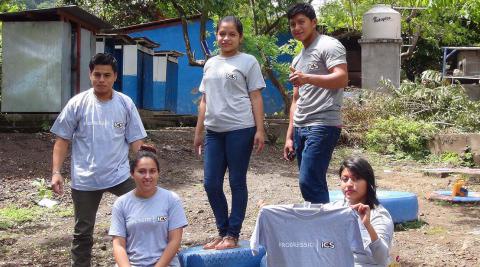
(436, 230)
(417, 224)
(64, 212)
(12, 215)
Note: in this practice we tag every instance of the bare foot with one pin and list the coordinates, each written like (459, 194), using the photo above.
(228, 242)
(261, 203)
(213, 243)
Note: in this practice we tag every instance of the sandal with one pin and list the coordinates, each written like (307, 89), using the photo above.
(213, 243)
(228, 242)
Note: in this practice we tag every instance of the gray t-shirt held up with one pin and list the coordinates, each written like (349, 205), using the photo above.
(100, 132)
(316, 105)
(321, 235)
(145, 224)
(226, 83)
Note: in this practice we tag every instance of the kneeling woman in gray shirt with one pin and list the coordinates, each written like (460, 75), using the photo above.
(358, 186)
(147, 222)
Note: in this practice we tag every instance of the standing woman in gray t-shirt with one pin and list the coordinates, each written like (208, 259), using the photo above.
(231, 110)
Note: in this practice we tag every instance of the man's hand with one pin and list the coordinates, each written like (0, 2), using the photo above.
(57, 183)
(288, 150)
(297, 78)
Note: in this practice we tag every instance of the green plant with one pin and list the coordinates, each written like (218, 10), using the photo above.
(400, 136)
(467, 157)
(434, 100)
(12, 215)
(45, 126)
(42, 188)
(417, 224)
(64, 212)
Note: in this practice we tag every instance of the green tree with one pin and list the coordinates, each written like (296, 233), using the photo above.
(427, 26)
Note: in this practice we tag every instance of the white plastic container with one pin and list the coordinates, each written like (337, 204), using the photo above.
(381, 22)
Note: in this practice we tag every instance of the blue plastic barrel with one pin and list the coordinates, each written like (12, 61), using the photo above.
(237, 257)
(402, 206)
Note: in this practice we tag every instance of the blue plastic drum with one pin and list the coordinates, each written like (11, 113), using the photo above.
(237, 257)
(402, 206)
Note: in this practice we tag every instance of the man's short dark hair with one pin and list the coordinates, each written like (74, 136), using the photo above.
(103, 59)
(301, 8)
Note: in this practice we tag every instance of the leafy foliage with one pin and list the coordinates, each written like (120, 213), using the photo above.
(446, 105)
(388, 121)
(401, 137)
(440, 22)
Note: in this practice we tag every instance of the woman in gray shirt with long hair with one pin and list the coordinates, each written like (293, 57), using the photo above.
(357, 182)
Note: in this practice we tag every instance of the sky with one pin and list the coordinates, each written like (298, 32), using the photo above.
(317, 3)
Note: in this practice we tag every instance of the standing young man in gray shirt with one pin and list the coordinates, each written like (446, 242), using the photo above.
(101, 124)
(318, 75)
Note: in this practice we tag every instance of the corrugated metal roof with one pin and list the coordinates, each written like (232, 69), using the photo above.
(120, 39)
(153, 24)
(146, 42)
(72, 13)
(174, 53)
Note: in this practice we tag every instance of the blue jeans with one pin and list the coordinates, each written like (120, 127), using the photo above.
(314, 147)
(228, 149)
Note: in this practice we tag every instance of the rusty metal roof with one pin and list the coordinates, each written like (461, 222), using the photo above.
(151, 25)
(70, 13)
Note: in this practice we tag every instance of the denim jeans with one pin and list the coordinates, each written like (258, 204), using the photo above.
(85, 205)
(314, 147)
(230, 150)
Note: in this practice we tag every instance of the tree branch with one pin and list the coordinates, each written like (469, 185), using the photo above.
(267, 30)
(412, 47)
(191, 56)
(268, 70)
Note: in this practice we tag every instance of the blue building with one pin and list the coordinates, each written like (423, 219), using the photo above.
(184, 98)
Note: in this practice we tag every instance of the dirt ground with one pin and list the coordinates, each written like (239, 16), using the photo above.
(449, 236)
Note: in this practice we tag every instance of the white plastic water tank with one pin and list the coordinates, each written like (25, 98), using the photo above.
(381, 22)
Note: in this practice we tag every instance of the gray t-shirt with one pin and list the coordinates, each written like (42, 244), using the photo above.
(378, 254)
(100, 133)
(321, 235)
(145, 223)
(316, 105)
(226, 83)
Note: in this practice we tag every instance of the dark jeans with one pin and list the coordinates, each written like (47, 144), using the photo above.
(85, 204)
(314, 147)
(228, 149)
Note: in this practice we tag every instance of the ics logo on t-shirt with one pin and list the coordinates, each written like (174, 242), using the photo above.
(162, 218)
(231, 76)
(312, 66)
(328, 244)
(118, 124)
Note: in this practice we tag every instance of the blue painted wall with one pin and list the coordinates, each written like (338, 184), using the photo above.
(170, 37)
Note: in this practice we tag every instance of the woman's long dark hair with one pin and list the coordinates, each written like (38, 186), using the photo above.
(362, 170)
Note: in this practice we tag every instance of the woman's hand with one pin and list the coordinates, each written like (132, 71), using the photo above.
(364, 212)
(259, 141)
(198, 143)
